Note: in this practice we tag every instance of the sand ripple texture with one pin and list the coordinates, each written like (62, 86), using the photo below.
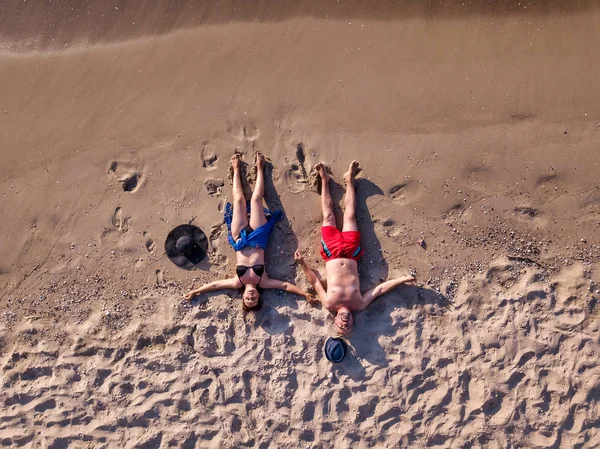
(513, 364)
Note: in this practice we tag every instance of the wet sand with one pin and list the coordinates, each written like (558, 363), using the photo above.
(478, 130)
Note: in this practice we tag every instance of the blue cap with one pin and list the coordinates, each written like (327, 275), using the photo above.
(335, 349)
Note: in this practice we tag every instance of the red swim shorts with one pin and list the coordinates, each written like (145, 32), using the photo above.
(340, 245)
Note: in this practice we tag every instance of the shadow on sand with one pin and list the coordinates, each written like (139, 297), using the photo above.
(279, 262)
(376, 321)
(373, 268)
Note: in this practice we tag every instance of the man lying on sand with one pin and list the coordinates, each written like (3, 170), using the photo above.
(341, 251)
(250, 242)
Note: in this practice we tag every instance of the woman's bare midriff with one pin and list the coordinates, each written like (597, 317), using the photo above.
(250, 256)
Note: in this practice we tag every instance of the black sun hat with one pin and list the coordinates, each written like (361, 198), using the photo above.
(186, 246)
(335, 349)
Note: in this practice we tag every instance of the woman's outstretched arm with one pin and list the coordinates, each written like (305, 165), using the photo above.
(212, 286)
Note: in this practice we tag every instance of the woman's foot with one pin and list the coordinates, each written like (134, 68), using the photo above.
(235, 161)
(353, 170)
(323, 171)
(260, 161)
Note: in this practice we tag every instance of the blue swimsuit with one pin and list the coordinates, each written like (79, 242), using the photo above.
(252, 238)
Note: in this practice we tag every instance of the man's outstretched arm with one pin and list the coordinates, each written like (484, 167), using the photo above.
(384, 288)
(286, 286)
(311, 276)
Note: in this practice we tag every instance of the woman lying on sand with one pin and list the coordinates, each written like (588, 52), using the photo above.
(250, 243)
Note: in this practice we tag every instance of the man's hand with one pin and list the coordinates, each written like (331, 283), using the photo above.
(312, 278)
(299, 257)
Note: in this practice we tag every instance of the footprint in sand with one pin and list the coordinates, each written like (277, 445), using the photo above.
(396, 191)
(214, 186)
(119, 222)
(250, 132)
(526, 212)
(215, 232)
(548, 178)
(149, 241)
(247, 134)
(160, 279)
(308, 412)
(127, 174)
(295, 175)
(209, 158)
(405, 192)
(388, 227)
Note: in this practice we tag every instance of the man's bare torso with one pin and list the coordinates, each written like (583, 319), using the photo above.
(343, 285)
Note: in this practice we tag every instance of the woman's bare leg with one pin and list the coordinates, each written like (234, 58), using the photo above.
(239, 221)
(257, 212)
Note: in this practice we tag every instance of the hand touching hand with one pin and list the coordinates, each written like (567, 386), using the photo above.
(298, 256)
(312, 300)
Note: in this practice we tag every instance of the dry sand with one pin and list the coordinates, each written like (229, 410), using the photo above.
(478, 129)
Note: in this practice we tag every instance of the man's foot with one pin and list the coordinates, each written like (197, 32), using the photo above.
(323, 171)
(235, 161)
(353, 170)
(260, 161)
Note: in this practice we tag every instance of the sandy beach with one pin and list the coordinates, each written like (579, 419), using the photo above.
(477, 127)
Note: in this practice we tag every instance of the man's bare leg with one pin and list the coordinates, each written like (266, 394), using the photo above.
(239, 220)
(350, 200)
(257, 212)
(326, 200)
